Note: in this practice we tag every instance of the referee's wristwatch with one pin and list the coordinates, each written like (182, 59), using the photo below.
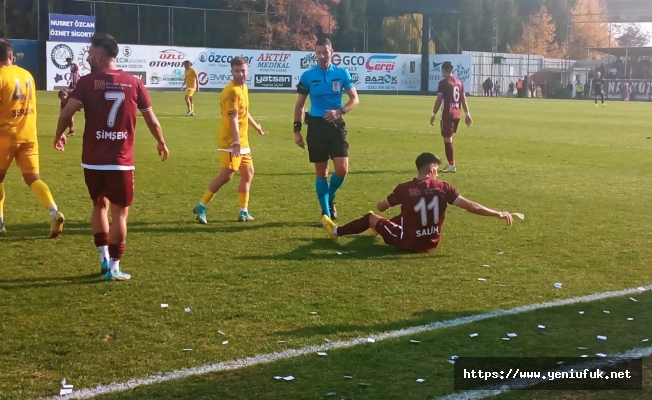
(343, 110)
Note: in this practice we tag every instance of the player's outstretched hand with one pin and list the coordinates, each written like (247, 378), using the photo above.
(298, 139)
(469, 120)
(432, 120)
(163, 151)
(507, 217)
(60, 144)
(261, 132)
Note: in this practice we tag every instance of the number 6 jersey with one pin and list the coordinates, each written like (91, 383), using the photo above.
(17, 105)
(111, 100)
(423, 209)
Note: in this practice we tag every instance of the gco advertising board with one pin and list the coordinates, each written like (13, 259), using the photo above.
(161, 67)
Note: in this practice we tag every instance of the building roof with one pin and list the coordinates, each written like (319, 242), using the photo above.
(624, 51)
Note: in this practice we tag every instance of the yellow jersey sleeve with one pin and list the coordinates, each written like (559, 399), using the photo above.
(17, 105)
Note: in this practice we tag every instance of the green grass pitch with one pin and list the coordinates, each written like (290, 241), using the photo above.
(580, 174)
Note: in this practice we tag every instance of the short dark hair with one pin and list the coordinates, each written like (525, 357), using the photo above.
(187, 62)
(107, 43)
(425, 159)
(237, 61)
(447, 66)
(6, 48)
(323, 41)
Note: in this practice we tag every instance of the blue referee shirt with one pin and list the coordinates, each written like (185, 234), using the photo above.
(325, 88)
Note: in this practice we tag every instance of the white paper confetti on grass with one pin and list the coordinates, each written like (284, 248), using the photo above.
(542, 327)
(421, 380)
(486, 265)
(451, 361)
(558, 285)
(602, 355)
(640, 289)
(481, 279)
(633, 299)
(64, 392)
(473, 335)
(348, 377)
(584, 355)
(282, 341)
(560, 362)
(582, 348)
(512, 335)
(221, 333)
(187, 349)
(371, 340)
(313, 312)
(187, 309)
(606, 311)
(506, 339)
(581, 312)
(630, 319)
(327, 340)
(644, 340)
(321, 354)
(339, 253)
(331, 394)
(365, 384)
(500, 253)
(602, 337)
(163, 305)
(519, 215)
(288, 378)
(454, 357)
(414, 341)
(225, 342)
(278, 377)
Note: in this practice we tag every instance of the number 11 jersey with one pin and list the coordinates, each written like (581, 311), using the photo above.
(111, 100)
(423, 209)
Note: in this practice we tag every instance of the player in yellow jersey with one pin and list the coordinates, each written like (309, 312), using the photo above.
(191, 85)
(233, 142)
(18, 134)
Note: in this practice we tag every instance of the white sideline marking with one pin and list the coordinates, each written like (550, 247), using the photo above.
(525, 383)
(282, 355)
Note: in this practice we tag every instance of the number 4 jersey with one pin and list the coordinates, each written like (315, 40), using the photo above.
(17, 105)
(111, 100)
(423, 209)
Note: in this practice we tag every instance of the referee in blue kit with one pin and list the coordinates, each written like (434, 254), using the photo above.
(326, 137)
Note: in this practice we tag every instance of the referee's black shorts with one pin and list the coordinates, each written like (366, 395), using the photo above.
(326, 140)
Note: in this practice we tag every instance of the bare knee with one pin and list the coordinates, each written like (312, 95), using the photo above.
(30, 178)
(448, 139)
(321, 170)
(341, 166)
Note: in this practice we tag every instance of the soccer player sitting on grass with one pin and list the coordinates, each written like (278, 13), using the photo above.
(423, 203)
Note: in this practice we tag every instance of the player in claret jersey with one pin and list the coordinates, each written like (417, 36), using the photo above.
(111, 99)
(423, 204)
(451, 93)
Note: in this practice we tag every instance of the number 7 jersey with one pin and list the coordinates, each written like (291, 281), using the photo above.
(423, 209)
(111, 100)
(17, 105)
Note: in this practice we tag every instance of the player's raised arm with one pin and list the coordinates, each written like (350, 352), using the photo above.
(258, 128)
(479, 209)
(65, 117)
(155, 129)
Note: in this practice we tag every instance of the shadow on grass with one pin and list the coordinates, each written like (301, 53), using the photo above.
(418, 318)
(40, 282)
(359, 248)
(29, 232)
